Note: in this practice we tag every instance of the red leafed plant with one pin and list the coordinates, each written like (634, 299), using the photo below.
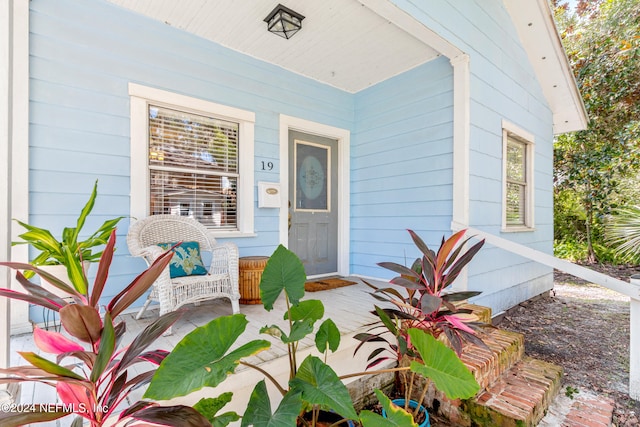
(419, 299)
(90, 373)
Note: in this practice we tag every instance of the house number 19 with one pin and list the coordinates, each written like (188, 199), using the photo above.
(267, 166)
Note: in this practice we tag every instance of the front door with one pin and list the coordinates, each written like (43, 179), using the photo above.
(313, 202)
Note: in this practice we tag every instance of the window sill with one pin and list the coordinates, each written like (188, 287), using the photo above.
(519, 229)
(231, 234)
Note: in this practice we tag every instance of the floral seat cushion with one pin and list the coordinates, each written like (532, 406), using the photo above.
(187, 260)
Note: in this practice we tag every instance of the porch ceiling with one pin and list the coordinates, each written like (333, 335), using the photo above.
(354, 44)
(342, 43)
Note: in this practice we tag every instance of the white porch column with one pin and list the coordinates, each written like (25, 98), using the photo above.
(14, 123)
(19, 163)
(461, 135)
(6, 19)
(634, 344)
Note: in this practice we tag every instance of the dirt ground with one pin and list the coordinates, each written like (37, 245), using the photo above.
(585, 329)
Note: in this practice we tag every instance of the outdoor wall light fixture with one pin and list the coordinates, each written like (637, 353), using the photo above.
(284, 21)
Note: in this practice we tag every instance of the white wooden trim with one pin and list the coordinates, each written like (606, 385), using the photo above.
(515, 129)
(461, 136)
(401, 19)
(629, 289)
(634, 345)
(140, 97)
(191, 103)
(343, 136)
(529, 140)
(18, 204)
(6, 73)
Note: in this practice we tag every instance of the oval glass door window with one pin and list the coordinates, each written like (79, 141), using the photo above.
(312, 176)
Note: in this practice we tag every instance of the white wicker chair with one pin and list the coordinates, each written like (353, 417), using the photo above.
(220, 282)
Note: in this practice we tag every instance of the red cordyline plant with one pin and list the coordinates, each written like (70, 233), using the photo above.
(90, 373)
(421, 300)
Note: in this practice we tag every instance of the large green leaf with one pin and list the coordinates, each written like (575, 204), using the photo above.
(283, 271)
(396, 416)
(259, 414)
(304, 315)
(442, 366)
(202, 358)
(328, 335)
(299, 330)
(320, 385)
(311, 309)
(209, 408)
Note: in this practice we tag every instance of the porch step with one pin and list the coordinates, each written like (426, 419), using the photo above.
(519, 398)
(487, 365)
(515, 390)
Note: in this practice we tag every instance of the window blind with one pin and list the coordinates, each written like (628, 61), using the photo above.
(193, 165)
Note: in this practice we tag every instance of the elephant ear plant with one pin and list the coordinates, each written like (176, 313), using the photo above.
(206, 356)
(202, 358)
(90, 373)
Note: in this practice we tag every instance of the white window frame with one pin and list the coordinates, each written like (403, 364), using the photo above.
(141, 97)
(509, 130)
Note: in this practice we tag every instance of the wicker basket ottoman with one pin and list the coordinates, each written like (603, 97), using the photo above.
(251, 268)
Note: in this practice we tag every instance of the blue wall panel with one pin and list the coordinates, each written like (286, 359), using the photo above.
(401, 169)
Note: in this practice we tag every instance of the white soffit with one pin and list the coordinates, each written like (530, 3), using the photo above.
(342, 43)
(537, 31)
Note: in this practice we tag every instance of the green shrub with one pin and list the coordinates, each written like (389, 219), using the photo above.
(570, 250)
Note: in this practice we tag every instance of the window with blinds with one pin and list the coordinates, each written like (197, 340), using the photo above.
(516, 164)
(193, 167)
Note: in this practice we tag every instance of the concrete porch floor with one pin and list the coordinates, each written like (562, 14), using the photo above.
(348, 307)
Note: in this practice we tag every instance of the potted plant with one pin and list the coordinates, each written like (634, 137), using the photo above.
(419, 302)
(204, 358)
(69, 252)
(311, 385)
(90, 373)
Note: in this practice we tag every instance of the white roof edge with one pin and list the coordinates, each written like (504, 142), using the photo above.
(551, 65)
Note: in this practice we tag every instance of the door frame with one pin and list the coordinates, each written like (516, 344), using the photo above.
(343, 136)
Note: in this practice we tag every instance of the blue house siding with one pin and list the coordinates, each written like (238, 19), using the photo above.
(503, 87)
(83, 56)
(401, 168)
